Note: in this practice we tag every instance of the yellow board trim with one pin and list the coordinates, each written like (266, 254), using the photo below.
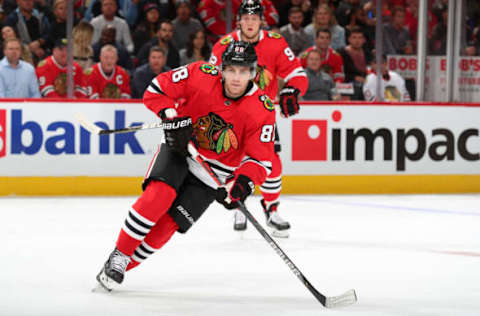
(334, 184)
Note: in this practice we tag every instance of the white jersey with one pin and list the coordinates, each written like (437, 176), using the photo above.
(392, 89)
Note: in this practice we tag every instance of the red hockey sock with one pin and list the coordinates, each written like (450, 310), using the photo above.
(147, 210)
(272, 186)
(158, 236)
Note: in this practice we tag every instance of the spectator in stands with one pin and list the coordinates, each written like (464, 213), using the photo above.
(344, 9)
(392, 87)
(471, 49)
(52, 74)
(294, 33)
(108, 38)
(126, 9)
(332, 62)
(184, 24)
(396, 38)
(17, 78)
(143, 75)
(304, 5)
(58, 29)
(320, 84)
(123, 37)
(146, 29)
(323, 18)
(358, 19)
(355, 61)
(82, 48)
(31, 26)
(197, 48)
(9, 32)
(163, 39)
(107, 80)
(438, 42)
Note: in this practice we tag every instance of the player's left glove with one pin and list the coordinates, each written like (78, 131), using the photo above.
(234, 191)
(289, 101)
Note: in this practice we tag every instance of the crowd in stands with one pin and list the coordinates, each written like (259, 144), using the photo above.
(119, 46)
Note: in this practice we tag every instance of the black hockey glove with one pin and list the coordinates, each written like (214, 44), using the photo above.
(178, 132)
(289, 101)
(234, 191)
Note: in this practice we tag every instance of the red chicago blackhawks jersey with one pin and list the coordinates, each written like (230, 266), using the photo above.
(52, 79)
(275, 59)
(101, 86)
(234, 136)
(212, 13)
(332, 63)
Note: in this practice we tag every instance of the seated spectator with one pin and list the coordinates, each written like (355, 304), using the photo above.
(127, 10)
(108, 38)
(197, 48)
(438, 43)
(146, 29)
(163, 39)
(392, 87)
(184, 24)
(320, 84)
(471, 49)
(107, 80)
(17, 78)
(396, 38)
(82, 48)
(31, 26)
(332, 62)
(52, 74)
(9, 32)
(324, 18)
(143, 75)
(304, 5)
(355, 61)
(123, 37)
(58, 29)
(294, 33)
(344, 10)
(358, 19)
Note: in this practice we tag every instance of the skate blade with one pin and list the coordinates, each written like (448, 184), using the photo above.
(280, 233)
(105, 283)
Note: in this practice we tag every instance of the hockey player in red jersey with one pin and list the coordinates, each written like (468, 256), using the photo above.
(52, 74)
(233, 123)
(275, 59)
(213, 15)
(107, 80)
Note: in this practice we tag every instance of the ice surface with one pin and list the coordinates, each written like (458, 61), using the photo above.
(403, 254)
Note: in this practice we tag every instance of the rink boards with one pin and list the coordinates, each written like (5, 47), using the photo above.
(327, 148)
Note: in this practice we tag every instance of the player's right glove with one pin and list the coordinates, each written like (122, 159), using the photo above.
(289, 101)
(235, 190)
(178, 132)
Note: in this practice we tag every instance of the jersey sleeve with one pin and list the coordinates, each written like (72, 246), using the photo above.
(337, 69)
(369, 87)
(45, 81)
(271, 14)
(208, 10)
(126, 91)
(91, 84)
(80, 91)
(166, 88)
(259, 145)
(289, 67)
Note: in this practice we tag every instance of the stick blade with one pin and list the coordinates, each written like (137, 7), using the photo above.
(348, 298)
(88, 125)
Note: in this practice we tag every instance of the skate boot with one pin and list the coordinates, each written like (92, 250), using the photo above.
(113, 271)
(280, 227)
(239, 221)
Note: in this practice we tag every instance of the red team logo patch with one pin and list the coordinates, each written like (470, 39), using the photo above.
(309, 140)
(3, 133)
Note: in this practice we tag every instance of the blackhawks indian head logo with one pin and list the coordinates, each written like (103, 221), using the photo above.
(213, 133)
(263, 77)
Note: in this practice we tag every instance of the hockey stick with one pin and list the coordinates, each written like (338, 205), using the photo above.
(94, 129)
(345, 299)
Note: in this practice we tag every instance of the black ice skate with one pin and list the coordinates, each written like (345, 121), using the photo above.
(239, 221)
(280, 227)
(113, 271)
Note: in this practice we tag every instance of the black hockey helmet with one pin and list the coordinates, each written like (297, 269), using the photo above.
(240, 53)
(250, 7)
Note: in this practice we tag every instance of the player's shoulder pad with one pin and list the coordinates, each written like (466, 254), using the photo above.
(88, 71)
(266, 102)
(42, 63)
(209, 69)
(226, 39)
(274, 35)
